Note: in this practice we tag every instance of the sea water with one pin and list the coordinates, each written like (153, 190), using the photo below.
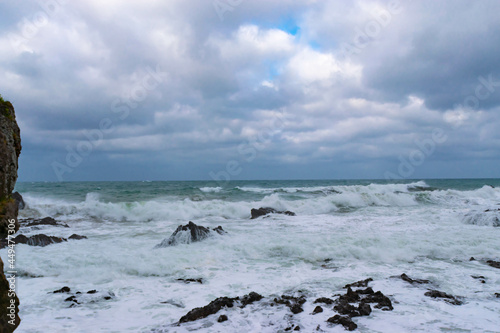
(343, 231)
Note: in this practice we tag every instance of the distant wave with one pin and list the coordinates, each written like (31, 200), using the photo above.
(332, 200)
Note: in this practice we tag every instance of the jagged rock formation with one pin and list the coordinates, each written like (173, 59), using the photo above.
(189, 233)
(10, 148)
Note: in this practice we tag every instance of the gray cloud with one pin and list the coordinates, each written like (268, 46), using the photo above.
(221, 84)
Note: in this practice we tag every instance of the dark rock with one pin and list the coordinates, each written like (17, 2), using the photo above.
(350, 296)
(362, 283)
(324, 300)
(107, 298)
(71, 299)
(268, 210)
(62, 290)
(219, 230)
(200, 281)
(296, 308)
(345, 308)
(222, 318)
(292, 302)
(497, 295)
(317, 309)
(92, 291)
(189, 233)
(77, 237)
(19, 200)
(472, 259)
(364, 309)
(447, 297)
(38, 240)
(297, 328)
(45, 221)
(367, 291)
(205, 311)
(250, 298)
(344, 321)
(480, 278)
(406, 278)
(383, 302)
(492, 263)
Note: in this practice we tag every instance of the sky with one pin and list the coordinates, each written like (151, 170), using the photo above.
(239, 89)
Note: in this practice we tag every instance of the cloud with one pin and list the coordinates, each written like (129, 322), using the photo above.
(354, 84)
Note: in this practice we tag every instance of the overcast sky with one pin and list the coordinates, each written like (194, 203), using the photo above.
(240, 89)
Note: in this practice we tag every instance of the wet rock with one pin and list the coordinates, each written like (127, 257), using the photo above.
(362, 283)
(222, 318)
(38, 240)
(345, 308)
(497, 295)
(19, 200)
(480, 278)
(219, 230)
(383, 302)
(492, 263)
(364, 309)
(350, 296)
(92, 291)
(205, 311)
(344, 321)
(250, 298)
(447, 297)
(200, 281)
(367, 291)
(62, 290)
(325, 300)
(292, 302)
(472, 259)
(317, 309)
(189, 233)
(268, 210)
(44, 221)
(71, 299)
(406, 278)
(77, 237)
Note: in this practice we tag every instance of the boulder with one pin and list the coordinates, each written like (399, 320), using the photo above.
(262, 211)
(19, 200)
(344, 321)
(189, 233)
(447, 297)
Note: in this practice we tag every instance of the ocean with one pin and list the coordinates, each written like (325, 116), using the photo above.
(343, 231)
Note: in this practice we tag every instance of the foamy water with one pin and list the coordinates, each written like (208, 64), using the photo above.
(363, 229)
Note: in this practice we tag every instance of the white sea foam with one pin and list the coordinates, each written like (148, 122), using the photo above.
(388, 230)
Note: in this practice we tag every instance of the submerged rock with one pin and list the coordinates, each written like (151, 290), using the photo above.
(45, 221)
(189, 233)
(222, 318)
(207, 310)
(362, 283)
(489, 217)
(62, 290)
(77, 237)
(292, 302)
(344, 321)
(200, 281)
(38, 240)
(447, 297)
(492, 263)
(406, 278)
(268, 210)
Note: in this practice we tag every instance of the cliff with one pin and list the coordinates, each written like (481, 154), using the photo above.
(10, 148)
